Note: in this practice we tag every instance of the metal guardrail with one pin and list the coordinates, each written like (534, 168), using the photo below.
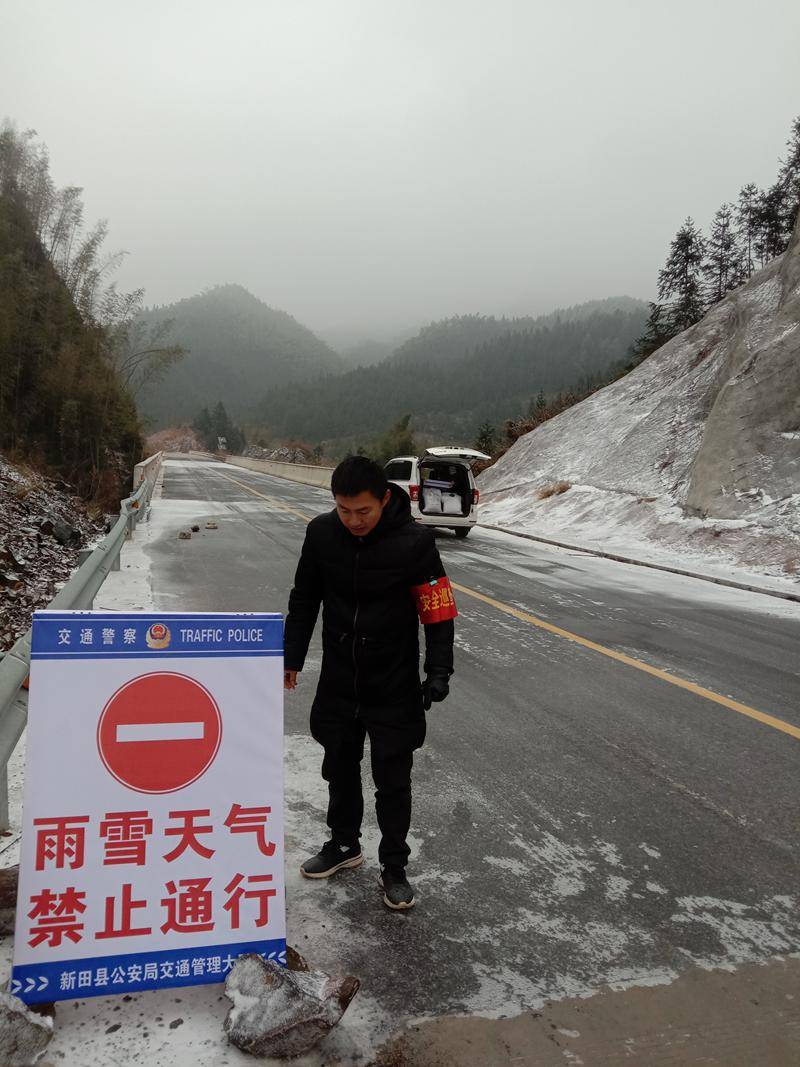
(78, 592)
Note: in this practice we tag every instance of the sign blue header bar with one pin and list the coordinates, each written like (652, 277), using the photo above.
(98, 635)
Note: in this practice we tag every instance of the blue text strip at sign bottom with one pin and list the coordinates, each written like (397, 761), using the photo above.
(103, 976)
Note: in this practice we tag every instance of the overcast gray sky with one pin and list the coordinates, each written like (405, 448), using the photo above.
(371, 165)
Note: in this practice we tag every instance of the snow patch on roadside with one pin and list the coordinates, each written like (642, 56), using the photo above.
(651, 530)
(130, 588)
(744, 931)
(515, 867)
(617, 888)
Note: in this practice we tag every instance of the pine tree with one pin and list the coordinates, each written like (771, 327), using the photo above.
(789, 181)
(486, 441)
(397, 441)
(771, 224)
(205, 428)
(215, 424)
(657, 332)
(221, 423)
(679, 283)
(722, 264)
(747, 228)
(224, 427)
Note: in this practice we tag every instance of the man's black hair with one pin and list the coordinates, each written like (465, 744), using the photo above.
(359, 474)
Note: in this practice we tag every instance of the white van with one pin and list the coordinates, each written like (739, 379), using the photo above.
(441, 486)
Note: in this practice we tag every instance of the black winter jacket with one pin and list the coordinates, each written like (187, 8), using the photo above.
(370, 642)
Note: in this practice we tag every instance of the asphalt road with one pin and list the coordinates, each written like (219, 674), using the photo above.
(578, 820)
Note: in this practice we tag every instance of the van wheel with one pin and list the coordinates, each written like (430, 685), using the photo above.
(462, 531)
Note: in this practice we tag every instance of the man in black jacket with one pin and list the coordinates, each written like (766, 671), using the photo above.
(376, 574)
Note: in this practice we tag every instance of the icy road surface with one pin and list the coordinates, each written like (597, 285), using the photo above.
(578, 820)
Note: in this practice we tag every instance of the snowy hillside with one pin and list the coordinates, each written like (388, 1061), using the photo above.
(695, 455)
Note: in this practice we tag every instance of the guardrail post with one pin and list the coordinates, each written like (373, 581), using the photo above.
(13, 725)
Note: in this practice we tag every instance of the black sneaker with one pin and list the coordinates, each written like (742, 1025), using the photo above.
(397, 893)
(330, 859)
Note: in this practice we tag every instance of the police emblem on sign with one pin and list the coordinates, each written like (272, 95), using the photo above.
(158, 636)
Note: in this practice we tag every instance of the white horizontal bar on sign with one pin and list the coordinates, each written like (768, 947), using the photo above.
(160, 731)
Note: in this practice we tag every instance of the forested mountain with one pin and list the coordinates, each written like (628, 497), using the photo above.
(64, 404)
(590, 307)
(457, 373)
(237, 346)
(610, 303)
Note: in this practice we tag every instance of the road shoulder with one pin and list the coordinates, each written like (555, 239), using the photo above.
(734, 1018)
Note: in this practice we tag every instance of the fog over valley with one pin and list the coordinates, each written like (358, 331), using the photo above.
(370, 168)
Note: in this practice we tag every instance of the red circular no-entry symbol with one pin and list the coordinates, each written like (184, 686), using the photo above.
(159, 732)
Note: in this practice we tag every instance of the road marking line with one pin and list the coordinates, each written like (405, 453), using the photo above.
(160, 731)
(620, 657)
(270, 499)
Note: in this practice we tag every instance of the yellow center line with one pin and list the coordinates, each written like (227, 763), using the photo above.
(620, 657)
(270, 499)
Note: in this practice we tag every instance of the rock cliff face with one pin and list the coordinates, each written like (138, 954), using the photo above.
(702, 440)
(751, 442)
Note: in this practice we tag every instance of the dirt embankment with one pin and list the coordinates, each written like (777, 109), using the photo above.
(43, 525)
(174, 439)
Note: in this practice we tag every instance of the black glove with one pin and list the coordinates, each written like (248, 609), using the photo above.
(434, 688)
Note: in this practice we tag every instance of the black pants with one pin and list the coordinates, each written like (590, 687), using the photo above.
(391, 772)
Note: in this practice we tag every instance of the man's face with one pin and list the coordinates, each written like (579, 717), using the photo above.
(362, 513)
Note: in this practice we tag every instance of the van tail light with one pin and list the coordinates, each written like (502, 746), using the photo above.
(413, 492)
(475, 496)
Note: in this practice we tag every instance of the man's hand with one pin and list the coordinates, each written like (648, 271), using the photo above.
(290, 679)
(434, 688)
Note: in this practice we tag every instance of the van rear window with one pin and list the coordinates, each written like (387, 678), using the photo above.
(399, 470)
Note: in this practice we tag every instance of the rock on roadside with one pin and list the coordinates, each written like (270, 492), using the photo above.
(282, 1013)
(24, 1035)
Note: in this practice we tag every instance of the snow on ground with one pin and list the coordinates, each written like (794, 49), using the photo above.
(183, 1027)
(650, 530)
(605, 575)
(691, 460)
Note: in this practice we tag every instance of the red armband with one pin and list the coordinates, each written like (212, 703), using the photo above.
(435, 601)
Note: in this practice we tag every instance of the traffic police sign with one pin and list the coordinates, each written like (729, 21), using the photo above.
(152, 848)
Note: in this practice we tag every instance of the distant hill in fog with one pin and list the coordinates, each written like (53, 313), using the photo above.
(456, 373)
(588, 307)
(367, 353)
(239, 347)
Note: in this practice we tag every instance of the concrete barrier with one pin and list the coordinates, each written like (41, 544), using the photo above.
(147, 471)
(293, 472)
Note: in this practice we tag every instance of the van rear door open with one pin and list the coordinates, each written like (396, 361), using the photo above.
(466, 455)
